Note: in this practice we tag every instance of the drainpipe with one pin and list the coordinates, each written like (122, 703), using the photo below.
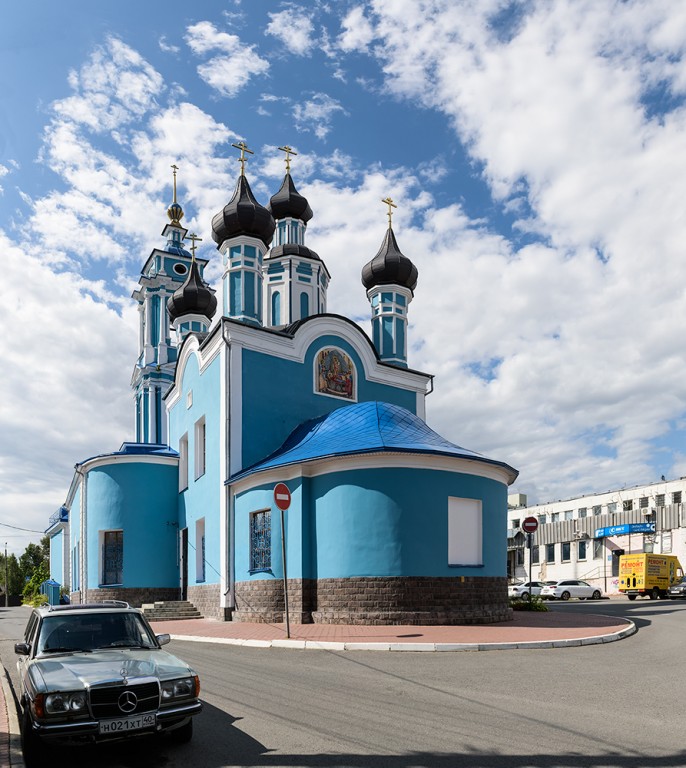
(83, 588)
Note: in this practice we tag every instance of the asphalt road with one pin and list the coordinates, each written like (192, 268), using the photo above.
(618, 704)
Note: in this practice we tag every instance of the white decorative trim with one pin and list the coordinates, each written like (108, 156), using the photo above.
(191, 346)
(295, 348)
(374, 461)
(99, 461)
(236, 409)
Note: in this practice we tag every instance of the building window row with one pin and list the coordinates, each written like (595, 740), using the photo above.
(582, 547)
(642, 503)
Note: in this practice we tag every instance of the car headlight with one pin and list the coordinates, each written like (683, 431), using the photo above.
(184, 688)
(65, 703)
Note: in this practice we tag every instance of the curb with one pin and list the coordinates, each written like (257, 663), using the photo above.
(16, 754)
(324, 645)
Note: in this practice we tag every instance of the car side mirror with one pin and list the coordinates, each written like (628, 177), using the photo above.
(23, 649)
(163, 639)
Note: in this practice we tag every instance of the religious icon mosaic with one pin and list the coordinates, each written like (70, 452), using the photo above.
(335, 374)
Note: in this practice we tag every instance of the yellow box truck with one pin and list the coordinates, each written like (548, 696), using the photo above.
(645, 574)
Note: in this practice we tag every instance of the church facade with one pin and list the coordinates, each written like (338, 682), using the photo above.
(388, 522)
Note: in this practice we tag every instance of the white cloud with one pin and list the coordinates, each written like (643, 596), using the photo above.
(114, 86)
(230, 71)
(67, 361)
(4, 170)
(294, 28)
(560, 363)
(358, 31)
(316, 114)
(167, 47)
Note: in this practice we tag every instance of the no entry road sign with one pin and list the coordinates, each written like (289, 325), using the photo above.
(530, 525)
(282, 496)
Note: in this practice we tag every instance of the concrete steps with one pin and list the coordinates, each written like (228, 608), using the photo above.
(170, 610)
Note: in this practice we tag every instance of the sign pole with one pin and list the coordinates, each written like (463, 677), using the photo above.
(285, 577)
(530, 544)
(530, 526)
(282, 499)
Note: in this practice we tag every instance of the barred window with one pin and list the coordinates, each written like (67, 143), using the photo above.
(261, 540)
(112, 557)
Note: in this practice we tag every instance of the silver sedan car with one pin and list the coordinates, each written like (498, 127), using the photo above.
(566, 588)
(94, 673)
(524, 590)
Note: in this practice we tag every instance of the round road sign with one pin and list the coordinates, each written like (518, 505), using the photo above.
(530, 525)
(282, 496)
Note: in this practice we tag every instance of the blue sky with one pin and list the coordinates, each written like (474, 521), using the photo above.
(536, 153)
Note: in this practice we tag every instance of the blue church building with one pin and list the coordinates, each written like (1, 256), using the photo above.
(388, 522)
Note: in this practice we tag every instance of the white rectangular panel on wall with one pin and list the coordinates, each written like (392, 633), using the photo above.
(465, 532)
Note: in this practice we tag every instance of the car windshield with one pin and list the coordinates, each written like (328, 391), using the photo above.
(93, 631)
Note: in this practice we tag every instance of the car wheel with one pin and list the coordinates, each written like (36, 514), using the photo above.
(654, 593)
(565, 595)
(631, 597)
(183, 734)
(596, 595)
(35, 753)
(525, 596)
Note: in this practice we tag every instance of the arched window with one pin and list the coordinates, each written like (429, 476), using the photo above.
(276, 308)
(304, 305)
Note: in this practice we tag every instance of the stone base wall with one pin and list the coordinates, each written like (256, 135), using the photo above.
(263, 601)
(383, 600)
(206, 598)
(134, 596)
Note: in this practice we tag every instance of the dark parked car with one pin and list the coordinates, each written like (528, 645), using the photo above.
(91, 673)
(677, 590)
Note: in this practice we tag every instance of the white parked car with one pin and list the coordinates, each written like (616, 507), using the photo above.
(524, 590)
(563, 590)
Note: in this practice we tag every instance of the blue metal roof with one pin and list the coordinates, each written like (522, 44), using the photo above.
(137, 449)
(370, 427)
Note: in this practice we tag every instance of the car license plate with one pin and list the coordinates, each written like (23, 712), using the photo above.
(125, 724)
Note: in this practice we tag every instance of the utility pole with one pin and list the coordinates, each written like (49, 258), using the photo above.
(7, 587)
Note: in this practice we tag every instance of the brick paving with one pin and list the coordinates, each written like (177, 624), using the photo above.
(525, 627)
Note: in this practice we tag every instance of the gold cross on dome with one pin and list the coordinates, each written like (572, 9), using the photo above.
(390, 205)
(289, 151)
(193, 238)
(175, 168)
(242, 159)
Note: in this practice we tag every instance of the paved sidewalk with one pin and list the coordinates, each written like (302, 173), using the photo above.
(553, 629)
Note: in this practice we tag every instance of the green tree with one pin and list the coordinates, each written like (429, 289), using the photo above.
(32, 588)
(33, 558)
(13, 574)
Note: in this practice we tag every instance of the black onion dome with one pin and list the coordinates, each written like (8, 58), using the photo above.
(293, 249)
(289, 203)
(390, 266)
(194, 297)
(243, 215)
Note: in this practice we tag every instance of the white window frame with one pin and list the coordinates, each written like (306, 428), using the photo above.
(200, 435)
(183, 462)
(465, 532)
(200, 575)
(582, 544)
(101, 557)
